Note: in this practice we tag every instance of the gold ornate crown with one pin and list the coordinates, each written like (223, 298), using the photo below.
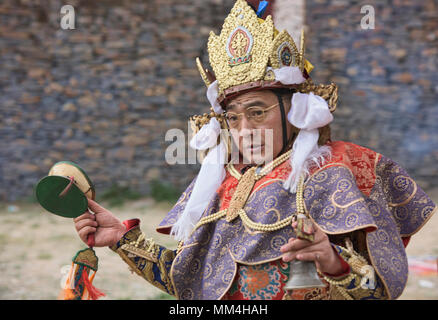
(241, 54)
(245, 48)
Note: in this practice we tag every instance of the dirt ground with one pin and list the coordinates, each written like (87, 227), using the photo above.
(35, 246)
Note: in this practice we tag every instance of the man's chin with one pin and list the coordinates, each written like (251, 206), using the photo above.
(256, 157)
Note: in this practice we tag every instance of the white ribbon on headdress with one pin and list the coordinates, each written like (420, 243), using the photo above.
(212, 95)
(288, 75)
(308, 112)
(211, 175)
(206, 137)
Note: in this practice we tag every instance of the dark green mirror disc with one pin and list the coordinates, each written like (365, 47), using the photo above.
(71, 205)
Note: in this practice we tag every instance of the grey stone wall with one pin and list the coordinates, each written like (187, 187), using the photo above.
(388, 77)
(104, 95)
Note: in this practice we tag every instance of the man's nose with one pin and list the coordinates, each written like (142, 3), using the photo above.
(245, 127)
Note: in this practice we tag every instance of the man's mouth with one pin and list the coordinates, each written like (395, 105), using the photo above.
(255, 148)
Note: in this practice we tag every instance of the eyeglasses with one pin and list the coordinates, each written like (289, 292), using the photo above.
(255, 115)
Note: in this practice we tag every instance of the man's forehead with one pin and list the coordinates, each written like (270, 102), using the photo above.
(262, 97)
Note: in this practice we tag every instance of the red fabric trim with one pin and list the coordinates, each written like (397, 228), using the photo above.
(164, 230)
(406, 241)
(130, 224)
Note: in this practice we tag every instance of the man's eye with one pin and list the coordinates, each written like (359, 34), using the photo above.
(256, 113)
(231, 118)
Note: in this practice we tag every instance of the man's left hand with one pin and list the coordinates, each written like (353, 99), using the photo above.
(320, 251)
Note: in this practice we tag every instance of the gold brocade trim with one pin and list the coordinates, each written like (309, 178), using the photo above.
(129, 262)
(361, 272)
(328, 92)
(344, 206)
(233, 172)
(376, 162)
(343, 292)
(140, 252)
(142, 247)
(172, 281)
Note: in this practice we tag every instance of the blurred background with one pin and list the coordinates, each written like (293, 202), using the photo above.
(104, 94)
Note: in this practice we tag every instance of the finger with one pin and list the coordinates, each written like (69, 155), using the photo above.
(286, 247)
(296, 245)
(85, 223)
(312, 248)
(84, 232)
(94, 206)
(309, 256)
(319, 234)
(86, 215)
(289, 256)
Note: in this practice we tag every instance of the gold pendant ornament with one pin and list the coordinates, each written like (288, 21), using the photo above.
(240, 196)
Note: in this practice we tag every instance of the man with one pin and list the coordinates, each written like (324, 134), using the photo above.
(237, 221)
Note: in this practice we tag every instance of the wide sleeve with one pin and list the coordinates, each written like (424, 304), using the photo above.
(393, 210)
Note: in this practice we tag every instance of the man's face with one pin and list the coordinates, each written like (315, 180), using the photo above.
(259, 142)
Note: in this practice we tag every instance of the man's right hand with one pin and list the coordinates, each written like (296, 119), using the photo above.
(107, 229)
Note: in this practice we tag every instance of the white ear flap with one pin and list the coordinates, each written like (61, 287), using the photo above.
(308, 113)
(212, 172)
(209, 179)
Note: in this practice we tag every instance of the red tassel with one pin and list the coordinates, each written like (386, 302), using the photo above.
(92, 290)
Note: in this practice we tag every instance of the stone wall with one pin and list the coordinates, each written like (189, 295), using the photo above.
(290, 15)
(104, 95)
(388, 77)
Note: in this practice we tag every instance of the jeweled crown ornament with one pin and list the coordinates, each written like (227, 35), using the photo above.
(247, 50)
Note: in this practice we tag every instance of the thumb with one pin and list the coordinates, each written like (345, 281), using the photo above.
(95, 207)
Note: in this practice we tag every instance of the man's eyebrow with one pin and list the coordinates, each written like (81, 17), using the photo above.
(253, 103)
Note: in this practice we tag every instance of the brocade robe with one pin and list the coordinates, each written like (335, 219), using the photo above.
(359, 194)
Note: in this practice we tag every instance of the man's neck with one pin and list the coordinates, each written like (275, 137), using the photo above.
(242, 166)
